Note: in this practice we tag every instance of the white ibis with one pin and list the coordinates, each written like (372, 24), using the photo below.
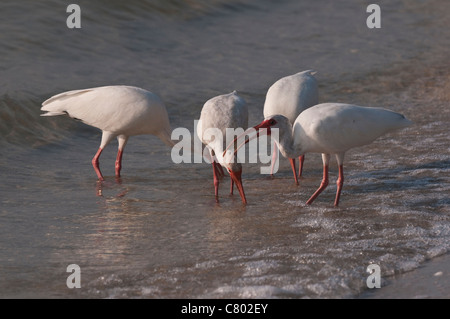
(289, 96)
(330, 128)
(222, 112)
(119, 111)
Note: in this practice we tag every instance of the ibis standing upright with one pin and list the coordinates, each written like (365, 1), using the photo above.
(219, 113)
(289, 96)
(330, 128)
(119, 111)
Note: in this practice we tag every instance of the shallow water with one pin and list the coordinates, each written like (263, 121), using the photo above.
(157, 232)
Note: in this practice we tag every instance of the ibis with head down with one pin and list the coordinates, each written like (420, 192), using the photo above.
(119, 111)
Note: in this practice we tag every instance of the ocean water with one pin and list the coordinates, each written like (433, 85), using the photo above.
(158, 233)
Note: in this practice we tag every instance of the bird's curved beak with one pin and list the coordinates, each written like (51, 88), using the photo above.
(237, 179)
(252, 133)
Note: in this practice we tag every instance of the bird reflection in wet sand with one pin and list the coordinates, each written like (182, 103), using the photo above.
(101, 185)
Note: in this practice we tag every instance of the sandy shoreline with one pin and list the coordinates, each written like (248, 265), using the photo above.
(431, 281)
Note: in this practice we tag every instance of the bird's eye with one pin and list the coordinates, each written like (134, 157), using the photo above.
(272, 122)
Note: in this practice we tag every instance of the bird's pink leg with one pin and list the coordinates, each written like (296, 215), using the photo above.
(122, 139)
(96, 164)
(231, 186)
(216, 181)
(119, 162)
(237, 178)
(292, 160)
(274, 157)
(301, 159)
(220, 172)
(322, 186)
(340, 183)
